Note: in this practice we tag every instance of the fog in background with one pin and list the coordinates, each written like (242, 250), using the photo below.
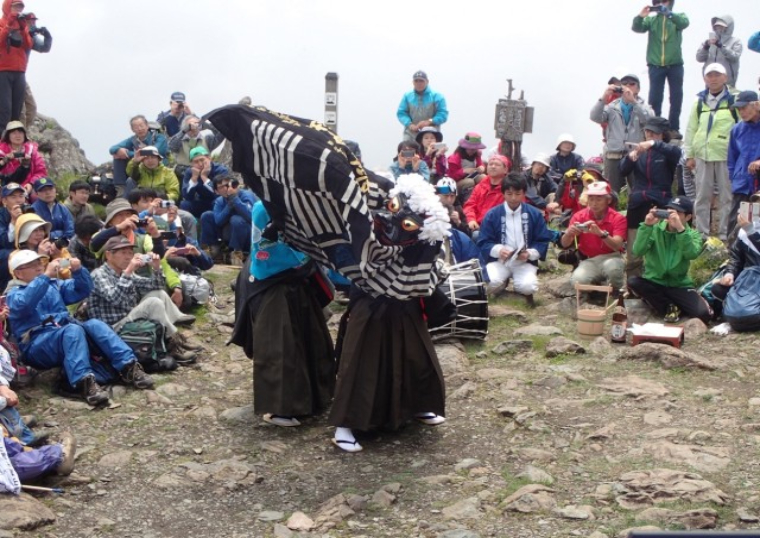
(112, 59)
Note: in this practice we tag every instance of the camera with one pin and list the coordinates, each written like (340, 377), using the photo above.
(234, 183)
(166, 203)
(617, 89)
(142, 223)
(19, 154)
(61, 243)
(146, 258)
(582, 226)
(662, 214)
(64, 263)
(408, 153)
(168, 235)
(27, 208)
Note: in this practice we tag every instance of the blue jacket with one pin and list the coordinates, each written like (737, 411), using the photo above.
(270, 257)
(463, 249)
(43, 298)
(538, 236)
(200, 194)
(562, 163)
(743, 148)
(5, 224)
(153, 138)
(59, 217)
(422, 170)
(653, 174)
(754, 42)
(241, 205)
(415, 107)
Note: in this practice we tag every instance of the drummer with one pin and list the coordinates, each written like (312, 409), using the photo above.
(513, 237)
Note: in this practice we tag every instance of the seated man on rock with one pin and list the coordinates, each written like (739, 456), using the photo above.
(668, 244)
(598, 233)
(78, 201)
(146, 170)
(120, 295)
(52, 211)
(192, 135)
(513, 237)
(198, 193)
(229, 221)
(144, 135)
(50, 337)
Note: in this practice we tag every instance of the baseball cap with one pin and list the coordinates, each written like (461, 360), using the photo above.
(630, 77)
(598, 188)
(22, 257)
(682, 204)
(150, 150)
(715, 67)
(446, 185)
(744, 98)
(10, 188)
(118, 242)
(178, 97)
(41, 183)
(420, 75)
(657, 125)
(197, 152)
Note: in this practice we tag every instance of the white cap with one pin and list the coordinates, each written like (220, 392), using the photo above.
(22, 257)
(715, 67)
(542, 158)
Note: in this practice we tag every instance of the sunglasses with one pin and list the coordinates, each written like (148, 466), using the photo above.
(445, 189)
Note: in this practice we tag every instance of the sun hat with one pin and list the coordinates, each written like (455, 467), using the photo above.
(542, 158)
(117, 206)
(118, 242)
(29, 226)
(657, 125)
(565, 137)
(472, 141)
(421, 133)
(14, 125)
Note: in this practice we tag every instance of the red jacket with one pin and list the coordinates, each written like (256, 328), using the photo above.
(484, 196)
(37, 166)
(455, 165)
(13, 58)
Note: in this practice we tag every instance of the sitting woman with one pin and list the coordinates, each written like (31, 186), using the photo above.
(409, 161)
(33, 233)
(466, 163)
(430, 140)
(745, 252)
(20, 160)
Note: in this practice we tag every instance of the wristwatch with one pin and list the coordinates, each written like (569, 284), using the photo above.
(605, 234)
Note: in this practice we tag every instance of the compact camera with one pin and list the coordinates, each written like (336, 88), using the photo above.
(582, 226)
(146, 258)
(142, 223)
(166, 203)
(64, 263)
(408, 153)
(662, 214)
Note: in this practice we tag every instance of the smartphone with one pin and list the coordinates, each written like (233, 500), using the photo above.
(662, 214)
(408, 153)
(745, 211)
(168, 235)
(713, 36)
(439, 145)
(755, 211)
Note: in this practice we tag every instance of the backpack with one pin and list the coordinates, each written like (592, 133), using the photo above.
(705, 290)
(742, 305)
(146, 338)
(730, 101)
(195, 289)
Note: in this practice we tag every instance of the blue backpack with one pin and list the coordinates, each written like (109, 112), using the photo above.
(742, 305)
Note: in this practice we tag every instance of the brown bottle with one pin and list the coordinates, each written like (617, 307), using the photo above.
(619, 321)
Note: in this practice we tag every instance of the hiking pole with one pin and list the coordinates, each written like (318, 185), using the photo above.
(41, 489)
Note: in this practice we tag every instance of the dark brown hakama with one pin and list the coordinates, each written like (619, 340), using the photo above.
(388, 369)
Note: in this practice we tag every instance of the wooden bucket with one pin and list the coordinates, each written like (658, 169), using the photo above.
(591, 322)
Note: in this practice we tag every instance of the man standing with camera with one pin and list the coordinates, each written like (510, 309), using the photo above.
(15, 44)
(664, 56)
(625, 117)
(668, 243)
(722, 47)
(171, 120)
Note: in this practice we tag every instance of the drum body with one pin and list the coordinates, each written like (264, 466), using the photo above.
(466, 289)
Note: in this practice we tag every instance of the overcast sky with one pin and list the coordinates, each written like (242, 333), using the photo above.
(113, 59)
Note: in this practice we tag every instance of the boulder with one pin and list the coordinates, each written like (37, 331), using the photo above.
(23, 512)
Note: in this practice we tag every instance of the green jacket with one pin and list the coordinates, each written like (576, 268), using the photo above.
(664, 42)
(667, 255)
(707, 138)
(161, 178)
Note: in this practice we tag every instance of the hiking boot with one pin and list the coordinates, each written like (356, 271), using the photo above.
(530, 301)
(29, 420)
(93, 393)
(69, 444)
(40, 438)
(673, 314)
(134, 375)
(181, 355)
(237, 258)
(189, 344)
(214, 252)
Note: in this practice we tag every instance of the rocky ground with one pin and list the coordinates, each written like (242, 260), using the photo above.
(548, 435)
